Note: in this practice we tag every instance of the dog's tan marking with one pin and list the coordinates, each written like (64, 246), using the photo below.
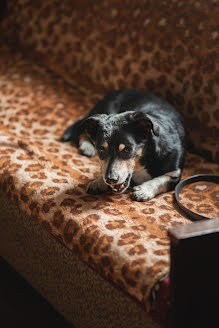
(84, 136)
(139, 153)
(105, 145)
(121, 147)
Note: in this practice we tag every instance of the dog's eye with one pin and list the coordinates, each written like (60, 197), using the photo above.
(101, 150)
(127, 149)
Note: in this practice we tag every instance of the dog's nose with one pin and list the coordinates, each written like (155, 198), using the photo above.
(112, 180)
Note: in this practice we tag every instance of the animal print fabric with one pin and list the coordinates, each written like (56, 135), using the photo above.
(124, 241)
(75, 290)
(202, 198)
(167, 47)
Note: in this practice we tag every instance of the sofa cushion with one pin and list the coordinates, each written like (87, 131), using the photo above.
(83, 297)
(166, 47)
(125, 241)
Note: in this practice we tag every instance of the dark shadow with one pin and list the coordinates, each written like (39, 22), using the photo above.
(22, 306)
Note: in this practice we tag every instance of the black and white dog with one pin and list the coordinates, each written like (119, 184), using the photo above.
(129, 123)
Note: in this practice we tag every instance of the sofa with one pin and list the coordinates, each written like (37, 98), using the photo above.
(105, 260)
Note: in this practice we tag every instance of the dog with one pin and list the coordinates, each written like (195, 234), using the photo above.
(126, 124)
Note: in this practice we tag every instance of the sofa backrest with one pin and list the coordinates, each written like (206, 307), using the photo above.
(167, 47)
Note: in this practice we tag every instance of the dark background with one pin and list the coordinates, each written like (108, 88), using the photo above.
(21, 305)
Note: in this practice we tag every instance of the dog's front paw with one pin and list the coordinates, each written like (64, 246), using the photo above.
(87, 149)
(97, 187)
(142, 194)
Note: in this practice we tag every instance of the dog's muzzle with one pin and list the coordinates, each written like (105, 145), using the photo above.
(119, 188)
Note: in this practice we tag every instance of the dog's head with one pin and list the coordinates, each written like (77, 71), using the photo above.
(118, 139)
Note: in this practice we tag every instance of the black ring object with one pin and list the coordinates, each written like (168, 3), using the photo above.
(187, 181)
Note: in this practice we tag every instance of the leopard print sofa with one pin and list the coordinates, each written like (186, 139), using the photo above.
(57, 59)
(167, 47)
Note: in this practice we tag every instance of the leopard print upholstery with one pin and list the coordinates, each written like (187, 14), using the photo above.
(124, 241)
(83, 297)
(167, 47)
(202, 197)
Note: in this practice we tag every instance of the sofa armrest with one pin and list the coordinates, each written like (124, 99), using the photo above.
(194, 274)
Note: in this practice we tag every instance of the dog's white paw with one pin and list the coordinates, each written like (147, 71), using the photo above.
(142, 194)
(97, 187)
(86, 148)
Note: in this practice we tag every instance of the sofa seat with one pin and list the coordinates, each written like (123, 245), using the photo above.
(124, 241)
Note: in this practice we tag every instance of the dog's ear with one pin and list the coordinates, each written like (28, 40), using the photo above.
(143, 120)
(90, 127)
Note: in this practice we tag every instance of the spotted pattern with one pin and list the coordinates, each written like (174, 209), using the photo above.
(167, 47)
(202, 198)
(83, 297)
(125, 241)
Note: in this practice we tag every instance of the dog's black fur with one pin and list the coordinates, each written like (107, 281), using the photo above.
(126, 121)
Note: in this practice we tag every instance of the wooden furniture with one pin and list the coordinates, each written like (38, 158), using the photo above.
(194, 274)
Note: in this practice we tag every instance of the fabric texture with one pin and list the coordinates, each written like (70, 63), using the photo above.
(124, 241)
(202, 198)
(57, 59)
(75, 290)
(167, 47)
